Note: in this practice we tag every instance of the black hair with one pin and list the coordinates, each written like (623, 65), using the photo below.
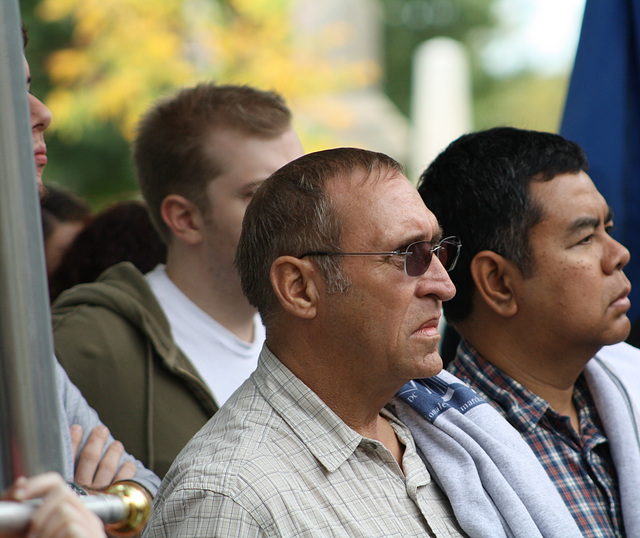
(478, 188)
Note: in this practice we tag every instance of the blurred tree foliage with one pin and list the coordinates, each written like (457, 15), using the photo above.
(523, 99)
(99, 64)
(106, 61)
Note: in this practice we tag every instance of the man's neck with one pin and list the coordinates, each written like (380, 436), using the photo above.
(220, 298)
(356, 400)
(558, 393)
(358, 409)
(547, 371)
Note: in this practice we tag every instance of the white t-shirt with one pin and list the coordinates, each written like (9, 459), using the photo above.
(222, 359)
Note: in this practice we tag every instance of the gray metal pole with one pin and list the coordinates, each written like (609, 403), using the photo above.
(15, 517)
(30, 436)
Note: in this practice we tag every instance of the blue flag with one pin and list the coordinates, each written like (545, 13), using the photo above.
(602, 114)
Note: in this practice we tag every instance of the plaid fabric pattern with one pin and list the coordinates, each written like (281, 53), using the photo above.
(579, 465)
(276, 461)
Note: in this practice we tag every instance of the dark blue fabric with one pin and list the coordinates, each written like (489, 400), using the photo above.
(432, 396)
(602, 114)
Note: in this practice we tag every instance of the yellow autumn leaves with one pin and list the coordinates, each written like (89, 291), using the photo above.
(127, 53)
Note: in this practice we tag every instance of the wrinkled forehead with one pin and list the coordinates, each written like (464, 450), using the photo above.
(348, 187)
(382, 204)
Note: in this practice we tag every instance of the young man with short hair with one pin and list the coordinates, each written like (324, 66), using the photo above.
(179, 340)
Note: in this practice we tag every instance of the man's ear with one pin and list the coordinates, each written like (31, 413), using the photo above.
(293, 282)
(183, 218)
(496, 279)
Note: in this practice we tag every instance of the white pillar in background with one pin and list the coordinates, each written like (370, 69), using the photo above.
(367, 117)
(441, 105)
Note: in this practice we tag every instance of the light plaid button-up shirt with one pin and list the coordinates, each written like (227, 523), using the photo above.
(276, 461)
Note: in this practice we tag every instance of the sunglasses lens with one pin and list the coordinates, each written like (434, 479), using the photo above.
(419, 255)
(448, 252)
(418, 258)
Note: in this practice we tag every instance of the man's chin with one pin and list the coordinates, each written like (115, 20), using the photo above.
(619, 332)
(42, 192)
(432, 365)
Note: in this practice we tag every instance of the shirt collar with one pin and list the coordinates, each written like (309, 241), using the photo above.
(519, 404)
(323, 432)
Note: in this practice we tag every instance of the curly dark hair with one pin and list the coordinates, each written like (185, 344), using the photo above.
(121, 232)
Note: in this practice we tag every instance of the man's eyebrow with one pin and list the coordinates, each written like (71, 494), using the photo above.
(609, 217)
(584, 222)
(590, 222)
(253, 185)
(435, 238)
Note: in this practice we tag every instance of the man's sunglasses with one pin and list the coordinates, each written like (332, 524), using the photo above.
(417, 256)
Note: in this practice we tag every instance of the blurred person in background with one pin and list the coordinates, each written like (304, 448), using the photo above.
(92, 458)
(64, 215)
(119, 233)
(158, 353)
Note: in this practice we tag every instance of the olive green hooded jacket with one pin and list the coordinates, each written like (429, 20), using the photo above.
(115, 343)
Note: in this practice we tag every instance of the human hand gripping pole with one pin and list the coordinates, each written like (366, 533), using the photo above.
(44, 506)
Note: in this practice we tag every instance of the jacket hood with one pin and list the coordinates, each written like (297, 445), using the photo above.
(123, 289)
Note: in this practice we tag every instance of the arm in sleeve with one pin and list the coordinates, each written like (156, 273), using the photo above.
(76, 410)
(198, 513)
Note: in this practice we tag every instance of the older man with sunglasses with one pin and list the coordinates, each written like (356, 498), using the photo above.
(337, 253)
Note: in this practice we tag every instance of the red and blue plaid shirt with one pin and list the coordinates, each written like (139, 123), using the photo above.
(579, 465)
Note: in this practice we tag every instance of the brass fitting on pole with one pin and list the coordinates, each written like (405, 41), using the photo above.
(138, 503)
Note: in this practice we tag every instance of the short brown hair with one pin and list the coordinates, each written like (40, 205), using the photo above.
(292, 213)
(170, 152)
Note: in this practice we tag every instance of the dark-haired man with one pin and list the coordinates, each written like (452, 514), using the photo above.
(540, 290)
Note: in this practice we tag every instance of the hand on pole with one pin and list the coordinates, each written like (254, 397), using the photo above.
(61, 513)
